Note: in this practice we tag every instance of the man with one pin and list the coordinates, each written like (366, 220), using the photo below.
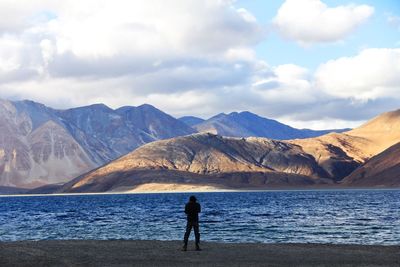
(192, 209)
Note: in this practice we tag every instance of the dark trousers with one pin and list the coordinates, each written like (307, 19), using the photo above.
(189, 226)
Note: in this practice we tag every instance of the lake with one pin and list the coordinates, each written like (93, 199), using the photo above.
(325, 216)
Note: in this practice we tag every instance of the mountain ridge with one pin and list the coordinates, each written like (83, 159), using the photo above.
(246, 124)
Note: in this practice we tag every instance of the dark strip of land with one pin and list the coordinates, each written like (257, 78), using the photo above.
(168, 253)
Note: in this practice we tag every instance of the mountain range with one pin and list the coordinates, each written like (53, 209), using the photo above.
(40, 145)
(335, 159)
(105, 149)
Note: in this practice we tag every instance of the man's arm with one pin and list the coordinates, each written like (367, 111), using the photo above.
(199, 208)
(186, 209)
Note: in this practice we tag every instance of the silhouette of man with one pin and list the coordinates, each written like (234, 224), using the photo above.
(192, 209)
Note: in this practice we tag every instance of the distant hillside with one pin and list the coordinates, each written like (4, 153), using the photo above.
(245, 124)
(191, 120)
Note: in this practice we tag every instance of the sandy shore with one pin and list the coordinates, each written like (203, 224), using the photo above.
(170, 187)
(168, 253)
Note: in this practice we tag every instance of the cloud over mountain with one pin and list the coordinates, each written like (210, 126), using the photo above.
(143, 50)
(190, 57)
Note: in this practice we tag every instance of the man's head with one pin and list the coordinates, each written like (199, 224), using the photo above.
(192, 199)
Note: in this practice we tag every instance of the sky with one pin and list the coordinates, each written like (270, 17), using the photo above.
(308, 63)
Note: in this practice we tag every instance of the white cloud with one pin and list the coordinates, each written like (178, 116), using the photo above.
(19, 59)
(370, 75)
(312, 21)
(110, 38)
(155, 28)
(289, 84)
(144, 48)
(9, 54)
(17, 15)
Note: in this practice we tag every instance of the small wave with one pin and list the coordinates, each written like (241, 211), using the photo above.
(62, 216)
(261, 214)
(210, 221)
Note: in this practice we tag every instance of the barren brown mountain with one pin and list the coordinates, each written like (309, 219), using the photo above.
(207, 159)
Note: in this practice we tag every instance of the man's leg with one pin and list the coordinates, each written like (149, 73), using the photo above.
(187, 234)
(197, 234)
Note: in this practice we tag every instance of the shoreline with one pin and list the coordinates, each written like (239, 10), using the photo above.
(168, 253)
(203, 191)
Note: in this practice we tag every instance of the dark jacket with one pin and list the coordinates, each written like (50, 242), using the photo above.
(192, 210)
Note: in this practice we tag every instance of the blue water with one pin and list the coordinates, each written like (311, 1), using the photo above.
(346, 216)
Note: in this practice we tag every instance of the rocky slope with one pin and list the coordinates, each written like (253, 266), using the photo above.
(208, 159)
(245, 124)
(382, 170)
(35, 148)
(40, 145)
